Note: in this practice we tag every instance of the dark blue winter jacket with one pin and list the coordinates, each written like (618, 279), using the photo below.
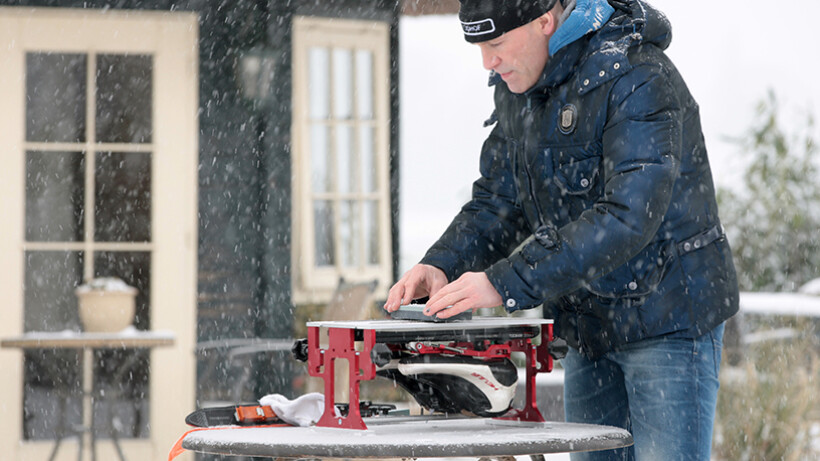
(596, 198)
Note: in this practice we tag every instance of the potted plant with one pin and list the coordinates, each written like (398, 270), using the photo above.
(106, 304)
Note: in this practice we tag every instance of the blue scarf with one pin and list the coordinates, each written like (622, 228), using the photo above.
(586, 17)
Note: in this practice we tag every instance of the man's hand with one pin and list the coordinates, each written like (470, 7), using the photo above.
(421, 280)
(472, 290)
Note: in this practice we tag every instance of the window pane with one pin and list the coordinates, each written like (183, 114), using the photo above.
(55, 97)
(349, 234)
(122, 376)
(342, 83)
(371, 229)
(124, 88)
(323, 225)
(345, 162)
(367, 159)
(52, 392)
(55, 187)
(122, 211)
(125, 373)
(364, 84)
(50, 280)
(52, 378)
(319, 83)
(320, 159)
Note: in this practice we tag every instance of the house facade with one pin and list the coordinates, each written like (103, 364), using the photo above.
(230, 160)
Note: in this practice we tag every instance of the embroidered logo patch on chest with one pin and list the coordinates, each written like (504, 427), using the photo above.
(568, 119)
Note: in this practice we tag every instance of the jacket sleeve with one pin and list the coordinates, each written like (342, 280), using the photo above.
(640, 161)
(490, 225)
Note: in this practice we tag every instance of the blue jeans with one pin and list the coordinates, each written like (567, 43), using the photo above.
(662, 390)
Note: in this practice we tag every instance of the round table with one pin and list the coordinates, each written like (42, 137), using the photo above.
(410, 437)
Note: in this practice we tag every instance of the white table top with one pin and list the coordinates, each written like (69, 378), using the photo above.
(410, 437)
(127, 338)
(392, 330)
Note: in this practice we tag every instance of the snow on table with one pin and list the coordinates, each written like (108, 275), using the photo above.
(129, 337)
(411, 437)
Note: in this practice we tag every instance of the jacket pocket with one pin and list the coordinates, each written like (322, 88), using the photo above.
(639, 277)
(578, 177)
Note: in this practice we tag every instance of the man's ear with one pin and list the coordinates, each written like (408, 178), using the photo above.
(548, 22)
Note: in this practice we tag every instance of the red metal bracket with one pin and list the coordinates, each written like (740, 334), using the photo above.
(538, 360)
(322, 363)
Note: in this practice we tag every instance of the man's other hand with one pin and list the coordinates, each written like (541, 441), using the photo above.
(420, 281)
(472, 290)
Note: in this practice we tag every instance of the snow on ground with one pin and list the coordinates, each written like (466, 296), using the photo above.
(790, 304)
(811, 288)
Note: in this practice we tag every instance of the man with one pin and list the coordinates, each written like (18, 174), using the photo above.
(596, 201)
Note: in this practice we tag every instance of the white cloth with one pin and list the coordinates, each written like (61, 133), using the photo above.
(304, 410)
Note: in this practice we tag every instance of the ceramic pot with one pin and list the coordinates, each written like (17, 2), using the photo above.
(106, 305)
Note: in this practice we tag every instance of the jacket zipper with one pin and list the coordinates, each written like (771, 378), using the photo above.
(526, 166)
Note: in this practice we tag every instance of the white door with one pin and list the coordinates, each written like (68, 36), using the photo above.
(98, 178)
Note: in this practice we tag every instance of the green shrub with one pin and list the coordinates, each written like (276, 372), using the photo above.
(768, 403)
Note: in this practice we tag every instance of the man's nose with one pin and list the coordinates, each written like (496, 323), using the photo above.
(490, 59)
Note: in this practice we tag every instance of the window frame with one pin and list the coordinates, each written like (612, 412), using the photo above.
(312, 284)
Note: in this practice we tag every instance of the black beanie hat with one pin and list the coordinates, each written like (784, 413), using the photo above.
(484, 20)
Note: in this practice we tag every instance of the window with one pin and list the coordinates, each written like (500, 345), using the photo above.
(341, 155)
(99, 117)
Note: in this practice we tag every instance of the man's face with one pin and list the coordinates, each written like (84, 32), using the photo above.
(519, 56)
